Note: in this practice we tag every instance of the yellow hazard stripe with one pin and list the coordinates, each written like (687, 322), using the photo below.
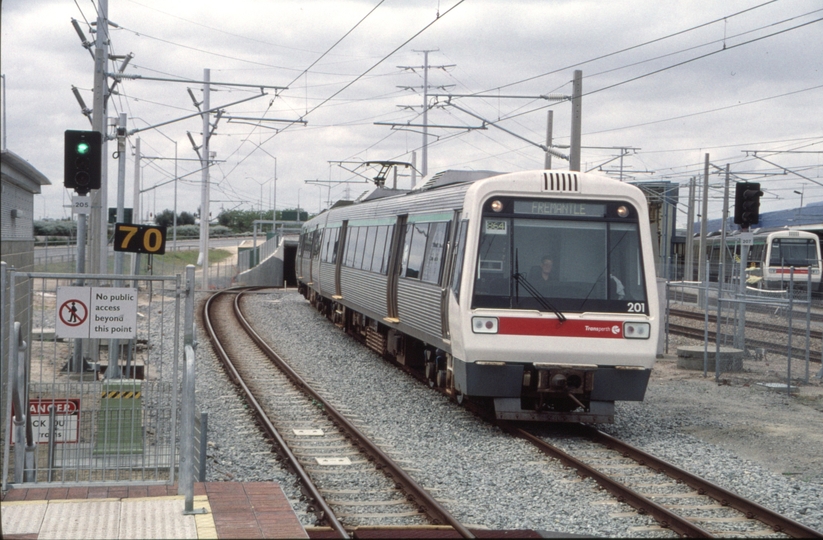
(120, 395)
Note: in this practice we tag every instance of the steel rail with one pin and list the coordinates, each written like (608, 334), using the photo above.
(698, 334)
(425, 502)
(752, 510)
(327, 516)
(814, 335)
(664, 516)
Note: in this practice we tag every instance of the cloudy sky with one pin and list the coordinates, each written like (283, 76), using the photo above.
(668, 81)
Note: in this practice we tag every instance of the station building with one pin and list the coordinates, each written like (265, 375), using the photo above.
(19, 182)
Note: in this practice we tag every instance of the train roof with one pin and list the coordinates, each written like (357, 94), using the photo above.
(760, 232)
(451, 176)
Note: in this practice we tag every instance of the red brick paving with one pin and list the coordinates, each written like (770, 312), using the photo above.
(252, 510)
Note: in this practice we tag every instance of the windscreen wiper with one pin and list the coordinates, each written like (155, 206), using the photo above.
(544, 303)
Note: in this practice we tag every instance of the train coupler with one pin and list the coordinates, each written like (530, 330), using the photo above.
(599, 412)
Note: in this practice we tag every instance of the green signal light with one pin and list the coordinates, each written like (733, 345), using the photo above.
(83, 148)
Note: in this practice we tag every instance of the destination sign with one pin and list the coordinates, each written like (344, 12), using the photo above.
(560, 208)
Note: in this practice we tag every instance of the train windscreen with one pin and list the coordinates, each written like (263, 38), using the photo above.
(576, 257)
(798, 252)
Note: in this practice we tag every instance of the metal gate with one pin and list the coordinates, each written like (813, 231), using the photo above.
(101, 405)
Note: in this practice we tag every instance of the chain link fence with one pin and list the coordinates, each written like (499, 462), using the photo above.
(726, 327)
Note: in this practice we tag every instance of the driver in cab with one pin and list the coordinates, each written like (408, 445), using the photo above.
(541, 276)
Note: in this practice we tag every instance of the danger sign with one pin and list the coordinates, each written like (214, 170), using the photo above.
(96, 312)
(66, 420)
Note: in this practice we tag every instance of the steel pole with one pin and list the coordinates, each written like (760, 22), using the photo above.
(577, 120)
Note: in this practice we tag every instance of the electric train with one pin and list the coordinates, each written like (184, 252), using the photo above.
(770, 259)
(450, 279)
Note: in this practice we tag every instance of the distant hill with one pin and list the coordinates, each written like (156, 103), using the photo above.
(811, 214)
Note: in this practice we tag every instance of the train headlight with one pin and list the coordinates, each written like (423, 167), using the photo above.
(497, 206)
(484, 325)
(622, 211)
(636, 330)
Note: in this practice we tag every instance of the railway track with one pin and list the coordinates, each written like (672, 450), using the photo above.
(816, 315)
(678, 500)
(672, 496)
(816, 335)
(770, 346)
(347, 480)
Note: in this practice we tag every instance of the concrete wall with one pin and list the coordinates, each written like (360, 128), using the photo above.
(268, 273)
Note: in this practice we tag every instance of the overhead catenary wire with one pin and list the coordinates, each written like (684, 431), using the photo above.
(632, 47)
(247, 136)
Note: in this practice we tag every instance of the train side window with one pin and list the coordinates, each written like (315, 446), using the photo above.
(315, 246)
(324, 244)
(351, 242)
(333, 246)
(433, 265)
(330, 245)
(368, 249)
(459, 251)
(379, 247)
(756, 253)
(386, 252)
(417, 235)
(360, 247)
(307, 248)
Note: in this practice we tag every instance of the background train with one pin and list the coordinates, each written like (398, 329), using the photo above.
(448, 279)
(771, 256)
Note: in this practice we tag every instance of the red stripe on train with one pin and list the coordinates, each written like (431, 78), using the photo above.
(788, 271)
(518, 326)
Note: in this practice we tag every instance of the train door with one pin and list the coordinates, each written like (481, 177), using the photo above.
(338, 260)
(445, 278)
(301, 247)
(289, 263)
(395, 258)
(314, 263)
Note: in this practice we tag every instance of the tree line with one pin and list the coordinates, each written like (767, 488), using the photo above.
(236, 221)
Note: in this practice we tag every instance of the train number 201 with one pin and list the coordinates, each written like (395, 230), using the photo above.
(637, 307)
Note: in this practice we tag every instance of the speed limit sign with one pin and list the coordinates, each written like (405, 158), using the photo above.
(140, 238)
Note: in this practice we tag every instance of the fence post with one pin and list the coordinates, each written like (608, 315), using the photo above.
(187, 404)
(5, 369)
(705, 292)
(808, 319)
(789, 346)
(24, 462)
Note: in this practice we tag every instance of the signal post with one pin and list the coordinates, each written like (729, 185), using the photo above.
(82, 158)
(746, 213)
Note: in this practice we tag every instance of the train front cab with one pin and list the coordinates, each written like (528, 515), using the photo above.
(567, 349)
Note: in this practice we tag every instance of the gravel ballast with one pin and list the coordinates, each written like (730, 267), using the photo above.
(745, 438)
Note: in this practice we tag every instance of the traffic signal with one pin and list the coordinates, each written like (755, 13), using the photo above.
(82, 154)
(747, 204)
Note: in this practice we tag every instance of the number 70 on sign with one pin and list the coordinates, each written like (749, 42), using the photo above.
(139, 238)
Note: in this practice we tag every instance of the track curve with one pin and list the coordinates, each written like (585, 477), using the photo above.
(425, 503)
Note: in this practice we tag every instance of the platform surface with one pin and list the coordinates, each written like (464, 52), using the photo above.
(234, 510)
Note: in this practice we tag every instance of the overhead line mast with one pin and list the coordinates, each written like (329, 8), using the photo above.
(425, 67)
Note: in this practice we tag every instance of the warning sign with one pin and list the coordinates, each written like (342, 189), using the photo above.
(96, 312)
(66, 420)
(72, 312)
(113, 313)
